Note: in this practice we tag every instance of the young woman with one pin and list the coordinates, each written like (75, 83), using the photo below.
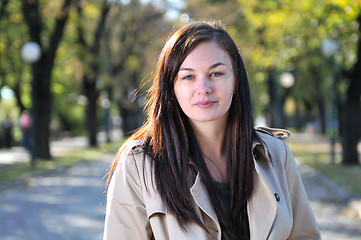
(197, 169)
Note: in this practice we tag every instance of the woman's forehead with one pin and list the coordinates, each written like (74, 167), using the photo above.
(208, 54)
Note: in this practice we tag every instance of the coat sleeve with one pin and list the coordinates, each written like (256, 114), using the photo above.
(126, 216)
(304, 223)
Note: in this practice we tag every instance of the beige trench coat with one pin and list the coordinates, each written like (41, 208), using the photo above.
(278, 209)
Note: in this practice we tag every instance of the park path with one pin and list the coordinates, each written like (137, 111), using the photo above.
(69, 204)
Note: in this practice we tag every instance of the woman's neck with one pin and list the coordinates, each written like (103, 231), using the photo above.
(210, 137)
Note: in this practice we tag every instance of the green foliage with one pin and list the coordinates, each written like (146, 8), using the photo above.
(13, 35)
(133, 39)
(67, 112)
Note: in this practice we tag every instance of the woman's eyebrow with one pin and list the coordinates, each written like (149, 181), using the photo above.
(211, 67)
(217, 64)
(187, 69)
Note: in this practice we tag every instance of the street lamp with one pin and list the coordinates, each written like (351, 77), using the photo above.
(329, 48)
(31, 53)
(287, 79)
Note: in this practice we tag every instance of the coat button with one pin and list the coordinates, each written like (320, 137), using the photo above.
(277, 197)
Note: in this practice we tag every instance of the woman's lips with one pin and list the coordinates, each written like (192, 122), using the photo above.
(205, 104)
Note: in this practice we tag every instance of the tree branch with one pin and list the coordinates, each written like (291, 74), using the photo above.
(80, 29)
(3, 5)
(98, 32)
(30, 9)
(59, 29)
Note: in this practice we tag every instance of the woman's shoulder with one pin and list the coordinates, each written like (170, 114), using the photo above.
(273, 139)
(134, 146)
(131, 148)
(130, 160)
(130, 154)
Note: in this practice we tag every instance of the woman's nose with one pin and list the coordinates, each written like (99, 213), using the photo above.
(204, 86)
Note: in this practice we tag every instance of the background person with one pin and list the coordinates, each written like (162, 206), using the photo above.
(25, 125)
(8, 132)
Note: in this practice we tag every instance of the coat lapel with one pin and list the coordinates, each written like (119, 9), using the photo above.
(262, 207)
(200, 195)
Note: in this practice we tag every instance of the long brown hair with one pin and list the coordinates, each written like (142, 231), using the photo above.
(172, 146)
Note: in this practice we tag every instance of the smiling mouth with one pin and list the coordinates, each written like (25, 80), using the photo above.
(205, 104)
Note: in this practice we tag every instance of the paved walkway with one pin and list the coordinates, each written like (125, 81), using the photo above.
(70, 204)
(61, 205)
(338, 215)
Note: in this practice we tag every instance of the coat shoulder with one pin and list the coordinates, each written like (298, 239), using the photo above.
(273, 141)
(130, 154)
(275, 132)
(134, 146)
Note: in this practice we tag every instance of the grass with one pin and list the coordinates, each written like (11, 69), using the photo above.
(68, 158)
(315, 151)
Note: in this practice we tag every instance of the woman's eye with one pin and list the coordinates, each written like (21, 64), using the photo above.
(216, 74)
(189, 77)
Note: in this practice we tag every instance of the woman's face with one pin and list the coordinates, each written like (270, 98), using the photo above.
(205, 83)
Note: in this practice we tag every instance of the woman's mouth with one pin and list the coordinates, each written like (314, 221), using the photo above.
(205, 104)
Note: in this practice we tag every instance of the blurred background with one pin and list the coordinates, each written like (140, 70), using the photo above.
(77, 65)
(72, 68)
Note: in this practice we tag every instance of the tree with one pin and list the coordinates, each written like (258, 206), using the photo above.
(351, 113)
(131, 47)
(342, 24)
(90, 53)
(42, 70)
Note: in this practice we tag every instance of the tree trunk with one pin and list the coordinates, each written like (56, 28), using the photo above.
(284, 120)
(351, 135)
(298, 117)
(41, 105)
(319, 98)
(41, 70)
(19, 102)
(275, 101)
(130, 117)
(89, 82)
(352, 112)
(322, 114)
(92, 95)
